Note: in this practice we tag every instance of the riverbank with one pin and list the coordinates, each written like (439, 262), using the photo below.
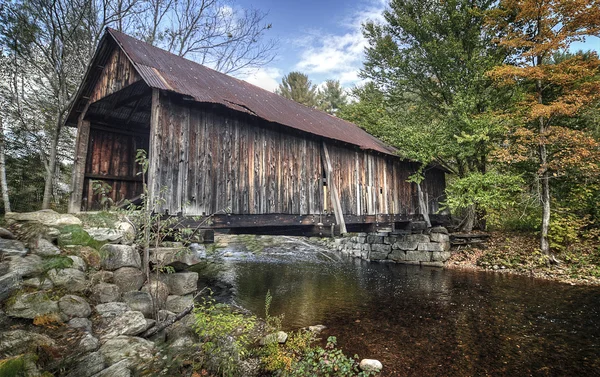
(518, 253)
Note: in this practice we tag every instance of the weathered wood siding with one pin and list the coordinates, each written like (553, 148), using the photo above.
(111, 159)
(209, 160)
(116, 74)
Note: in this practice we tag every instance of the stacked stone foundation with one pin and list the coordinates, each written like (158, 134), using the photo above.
(428, 247)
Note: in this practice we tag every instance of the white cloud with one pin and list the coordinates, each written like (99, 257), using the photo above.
(338, 56)
(265, 77)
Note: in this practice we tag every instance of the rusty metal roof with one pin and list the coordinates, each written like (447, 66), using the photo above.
(163, 70)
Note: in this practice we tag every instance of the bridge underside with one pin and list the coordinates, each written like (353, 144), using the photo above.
(305, 225)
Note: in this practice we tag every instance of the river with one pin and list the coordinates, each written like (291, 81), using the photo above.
(422, 321)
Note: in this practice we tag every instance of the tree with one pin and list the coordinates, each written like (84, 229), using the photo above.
(534, 31)
(429, 59)
(297, 87)
(332, 97)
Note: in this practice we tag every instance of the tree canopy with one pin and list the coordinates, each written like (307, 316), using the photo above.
(297, 87)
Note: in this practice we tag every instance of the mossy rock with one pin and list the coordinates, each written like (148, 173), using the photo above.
(75, 235)
(101, 219)
(13, 366)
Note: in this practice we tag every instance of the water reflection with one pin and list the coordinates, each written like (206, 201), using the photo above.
(426, 321)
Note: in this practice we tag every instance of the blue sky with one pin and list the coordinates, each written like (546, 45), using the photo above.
(323, 39)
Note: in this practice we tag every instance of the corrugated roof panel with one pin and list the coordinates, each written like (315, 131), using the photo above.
(163, 70)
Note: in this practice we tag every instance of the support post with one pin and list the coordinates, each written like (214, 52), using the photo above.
(154, 150)
(335, 199)
(81, 149)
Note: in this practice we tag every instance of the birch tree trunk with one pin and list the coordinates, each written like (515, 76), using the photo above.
(3, 182)
(544, 175)
(51, 171)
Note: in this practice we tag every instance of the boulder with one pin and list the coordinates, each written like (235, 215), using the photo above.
(104, 292)
(159, 292)
(278, 337)
(128, 278)
(27, 266)
(440, 237)
(74, 306)
(129, 323)
(72, 279)
(6, 234)
(397, 255)
(438, 230)
(183, 328)
(91, 257)
(45, 217)
(405, 245)
(82, 324)
(111, 309)
(417, 238)
(177, 304)
(31, 305)
(120, 369)
(370, 365)
(440, 256)
(89, 343)
(78, 263)
(418, 256)
(137, 350)
(181, 283)
(104, 234)
(316, 328)
(9, 284)
(433, 246)
(38, 283)
(20, 341)
(182, 344)
(45, 248)
(165, 315)
(117, 256)
(12, 247)
(140, 301)
(87, 365)
(177, 257)
(101, 277)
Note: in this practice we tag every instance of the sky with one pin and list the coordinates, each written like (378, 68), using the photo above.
(323, 39)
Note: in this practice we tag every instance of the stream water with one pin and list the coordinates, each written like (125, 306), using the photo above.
(422, 321)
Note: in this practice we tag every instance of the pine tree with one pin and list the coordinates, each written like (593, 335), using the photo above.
(332, 97)
(297, 87)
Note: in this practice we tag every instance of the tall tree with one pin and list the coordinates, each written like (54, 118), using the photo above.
(297, 87)
(428, 58)
(331, 97)
(534, 31)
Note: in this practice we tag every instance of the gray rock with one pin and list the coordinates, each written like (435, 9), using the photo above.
(432, 264)
(82, 324)
(374, 239)
(45, 248)
(418, 256)
(117, 256)
(182, 344)
(104, 292)
(164, 315)
(6, 234)
(104, 234)
(122, 347)
(89, 343)
(20, 341)
(417, 238)
(128, 279)
(72, 279)
(38, 283)
(31, 305)
(74, 306)
(405, 245)
(12, 247)
(182, 328)
(120, 369)
(45, 217)
(440, 256)
(397, 255)
(278, 337)
(140, 301)
(316, 328)
(128, 323)
(78, 263)
(177, 304)
(159, 292)
(101, 277)
(28, 266)
(112, 309)
(432, 246)
(87, 365)
(9, 284)
(149, 324)
(173, 256)
(440, 237)
(370, 365)
(181, 283)
(438, 229)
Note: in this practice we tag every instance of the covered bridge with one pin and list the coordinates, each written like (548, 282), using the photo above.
(221, 146)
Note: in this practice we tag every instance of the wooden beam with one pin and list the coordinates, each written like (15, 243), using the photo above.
(114, 177)
(81, 149)
(154, 150)
(335, 199)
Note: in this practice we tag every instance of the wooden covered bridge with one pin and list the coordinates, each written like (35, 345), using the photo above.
(220, 146)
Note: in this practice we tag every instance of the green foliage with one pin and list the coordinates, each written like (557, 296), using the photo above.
(100, 219)
(103, 190)
(332, 97)
(76, 235)
(225, 336)
(297, 87)
(13, 367)
(273, 323)
(58, 262)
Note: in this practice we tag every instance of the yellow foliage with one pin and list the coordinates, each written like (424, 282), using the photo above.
(50, 320)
